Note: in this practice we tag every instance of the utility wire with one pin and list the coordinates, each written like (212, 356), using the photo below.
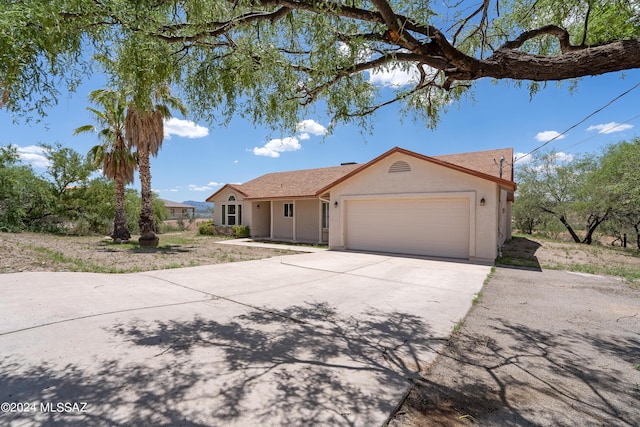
(577, 124)
(603, 131)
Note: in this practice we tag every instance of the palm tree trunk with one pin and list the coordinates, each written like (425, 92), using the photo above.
(147, 224)
(120, 231)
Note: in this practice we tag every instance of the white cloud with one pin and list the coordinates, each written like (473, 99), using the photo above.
(310, 126)
(563, 157)
(274, 147)
(519, 157)
(611, 127)
(168, 190)
(343, 49)
(361, 55)
(184, 128)
(34, 155)
(306, 128)
(210, 186)
(557, 160)
(393, 76)
(548, 135)
(559, 157)
(399, 74)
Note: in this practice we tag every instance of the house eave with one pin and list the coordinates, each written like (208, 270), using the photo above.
(225, 187)
(500, 181)
(268, 198)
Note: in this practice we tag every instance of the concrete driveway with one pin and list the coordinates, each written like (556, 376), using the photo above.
(329, 338)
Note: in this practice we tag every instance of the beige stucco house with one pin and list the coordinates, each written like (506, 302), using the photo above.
(455, 206)
(176, 210)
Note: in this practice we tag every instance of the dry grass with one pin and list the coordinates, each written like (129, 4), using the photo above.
(46, 252)
(535, 252)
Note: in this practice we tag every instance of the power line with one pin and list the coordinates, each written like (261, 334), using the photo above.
(605, 130)
(502, 163)
(578, 124)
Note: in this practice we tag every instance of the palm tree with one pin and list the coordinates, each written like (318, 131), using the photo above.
(144, 130)
(114, 154)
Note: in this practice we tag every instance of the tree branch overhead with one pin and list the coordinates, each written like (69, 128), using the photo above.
(223, 52)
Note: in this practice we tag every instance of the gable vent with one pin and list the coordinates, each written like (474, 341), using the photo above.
(399, 166)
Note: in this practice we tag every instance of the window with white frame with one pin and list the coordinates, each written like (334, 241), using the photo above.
(288, 210)
(231, 212)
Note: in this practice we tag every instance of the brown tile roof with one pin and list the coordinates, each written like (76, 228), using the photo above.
(487, 162)
(170, 204)
(291, 184)
(313, 182)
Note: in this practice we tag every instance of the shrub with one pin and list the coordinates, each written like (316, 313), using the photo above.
(209, 229)
(206, 228)
(241, 231)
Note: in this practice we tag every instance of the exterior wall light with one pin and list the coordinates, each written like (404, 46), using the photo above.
(482, 202)
(335, 203)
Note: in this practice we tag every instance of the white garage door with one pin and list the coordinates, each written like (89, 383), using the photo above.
(432, 227)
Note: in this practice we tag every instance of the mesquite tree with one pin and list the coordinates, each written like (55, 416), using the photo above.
(618, 176)
(561, 189)
(271, 59)
(583, 193)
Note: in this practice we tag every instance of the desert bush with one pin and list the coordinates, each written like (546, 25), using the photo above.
(241, 231)
(206, 228)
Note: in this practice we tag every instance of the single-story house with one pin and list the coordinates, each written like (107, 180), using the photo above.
(177, 210)
(455, 206)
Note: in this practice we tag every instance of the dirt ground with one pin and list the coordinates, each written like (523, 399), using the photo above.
(540, 348)
(47, 252)
(542, 253)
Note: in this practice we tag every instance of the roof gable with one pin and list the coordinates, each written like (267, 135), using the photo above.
(478, 159)
(309, 183)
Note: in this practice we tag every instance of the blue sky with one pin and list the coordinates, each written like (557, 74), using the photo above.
(197, 160)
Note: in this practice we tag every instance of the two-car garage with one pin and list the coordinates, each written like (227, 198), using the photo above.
(428, 225)
(406, 203)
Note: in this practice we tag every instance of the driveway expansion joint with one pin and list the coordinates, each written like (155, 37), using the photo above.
(223, 298)
(107, 313)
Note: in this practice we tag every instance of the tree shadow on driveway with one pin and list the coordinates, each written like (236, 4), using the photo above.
(517, 375)
(307, 364)
(308, 360)
(116, 393)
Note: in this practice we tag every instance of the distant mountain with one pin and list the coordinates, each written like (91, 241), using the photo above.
(201, 207)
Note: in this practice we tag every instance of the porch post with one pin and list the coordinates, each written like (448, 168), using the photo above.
(271, 220)
(320, 202)
(295, 215)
